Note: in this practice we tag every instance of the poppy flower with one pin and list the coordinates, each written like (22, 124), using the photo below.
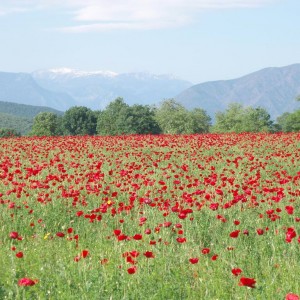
(291, 296)
(13, 235)
(19, 254)
(60, 234)
(260, 231)
(137, 237)
(236, 271)
(132, 270)
(205, 251)
(181, 240)
(194, 260)
(234, 234)
(26, 282)
(84, 253)
(117, 232)
(214, 257)
(149, 254)
(249, 282)
(134, 253)
(289, 209)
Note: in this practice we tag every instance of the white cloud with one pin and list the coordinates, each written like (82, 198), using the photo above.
(99, 15)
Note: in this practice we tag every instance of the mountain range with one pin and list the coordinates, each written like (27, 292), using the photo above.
(272, 88)
(97, 89)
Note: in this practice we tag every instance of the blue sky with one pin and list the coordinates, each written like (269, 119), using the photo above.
(196, 40)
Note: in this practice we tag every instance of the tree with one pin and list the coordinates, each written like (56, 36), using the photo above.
(236, 118)
(230, 120)
(256, 120)
(79, 120)
(46, 124)
(201, 121)
(115, 119)
(142, 120)
(289, 122)
(173, 118)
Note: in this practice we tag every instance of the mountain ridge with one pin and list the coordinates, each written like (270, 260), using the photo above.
(273, 88)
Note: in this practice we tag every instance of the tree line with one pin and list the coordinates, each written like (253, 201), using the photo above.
(170, 117)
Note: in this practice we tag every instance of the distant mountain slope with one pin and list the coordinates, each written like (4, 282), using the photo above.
(20, 124)
(23, 110)
(22, 88)
(97, 89)
(272, 88)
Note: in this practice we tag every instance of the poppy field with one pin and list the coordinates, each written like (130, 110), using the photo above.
(213, 216)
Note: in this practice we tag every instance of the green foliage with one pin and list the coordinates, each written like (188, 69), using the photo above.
(79, 120)
(142, 120)
(173, 118)
(25, 111)
(120, 118)
(46, 124)
(8, 132)
(289, 122)
(239, 119)
(115, 119)
(19, 124)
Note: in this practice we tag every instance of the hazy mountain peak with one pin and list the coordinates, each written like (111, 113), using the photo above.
(73, 73)
(274, 89)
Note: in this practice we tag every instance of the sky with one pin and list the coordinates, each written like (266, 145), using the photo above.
(195, 40)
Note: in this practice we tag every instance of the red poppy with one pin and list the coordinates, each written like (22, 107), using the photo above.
(205, 250)
(236, 271)
(134, 253)
(194, 260)
(122, 237)
(117, 232)
(260, 231)
(246, 232)
(291, 296)
(249, 282)
(137, 237)
(234, 234)
(60, 234)
(27, 282)
(84, 253)
(181, 240)
(132, 270)
(77, 258)
(214, 257)
(149, 254)
(13, 235)
(19, 254)
(289, 209)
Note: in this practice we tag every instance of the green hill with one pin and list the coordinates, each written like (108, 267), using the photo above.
(24, 110)
(20, 124)
(20, 116)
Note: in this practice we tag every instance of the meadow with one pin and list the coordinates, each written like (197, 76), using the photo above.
(212, 216)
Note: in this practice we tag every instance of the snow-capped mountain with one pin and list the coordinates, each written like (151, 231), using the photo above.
(96, 89)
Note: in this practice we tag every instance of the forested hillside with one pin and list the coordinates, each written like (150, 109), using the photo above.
(25, 111)
(20, 124)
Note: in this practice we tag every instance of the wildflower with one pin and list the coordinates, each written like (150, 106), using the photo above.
(236, 271)
(194, 260)
(27, 282)
(249, 282)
